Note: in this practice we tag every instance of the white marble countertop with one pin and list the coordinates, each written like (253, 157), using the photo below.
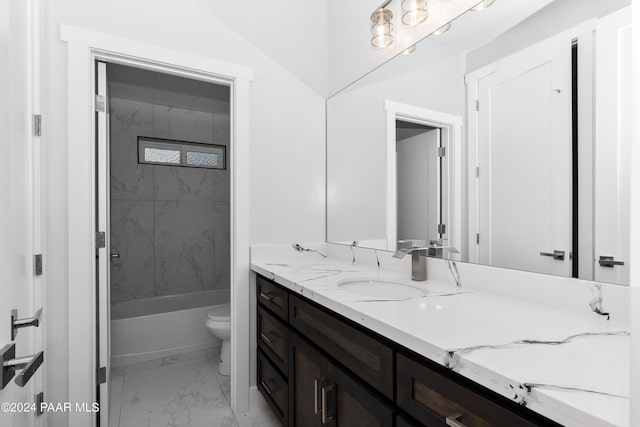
(572, 368)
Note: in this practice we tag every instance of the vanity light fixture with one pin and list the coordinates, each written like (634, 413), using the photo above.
(483, 5)
(414, 12)
(381, 27)
(446, 27)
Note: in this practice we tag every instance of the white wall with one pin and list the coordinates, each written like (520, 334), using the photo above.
(287, 128)
(556, 17)
(357, 143)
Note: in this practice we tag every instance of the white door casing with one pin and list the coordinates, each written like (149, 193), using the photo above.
(613, 146)
(21, 193)
(451, 128)
(84, 48)
(103, 361)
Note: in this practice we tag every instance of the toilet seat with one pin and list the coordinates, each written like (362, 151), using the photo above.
(220, 313)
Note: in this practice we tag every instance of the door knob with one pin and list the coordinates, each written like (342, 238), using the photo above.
(557, 255)
(609, 261)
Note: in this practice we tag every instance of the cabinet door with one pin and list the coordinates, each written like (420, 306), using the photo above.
(352, 404)
(308, 371)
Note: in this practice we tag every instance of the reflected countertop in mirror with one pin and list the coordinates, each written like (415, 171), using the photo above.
(504, 141)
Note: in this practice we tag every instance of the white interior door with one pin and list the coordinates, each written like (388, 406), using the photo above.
(20, 288)
(525, 161)
(104, 253)
(418, 187)
(613, 147)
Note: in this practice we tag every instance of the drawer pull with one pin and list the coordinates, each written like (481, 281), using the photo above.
(452, 421)
(316, 406)
(265, 296)
(266, 388)
(325, 390)
(265, 338)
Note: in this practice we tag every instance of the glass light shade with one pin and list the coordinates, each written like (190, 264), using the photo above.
(446, 27)
(411, 49)
(381, 28)
(483, 5)
(414, 12)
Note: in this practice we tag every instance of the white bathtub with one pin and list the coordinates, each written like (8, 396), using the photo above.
(152, 328)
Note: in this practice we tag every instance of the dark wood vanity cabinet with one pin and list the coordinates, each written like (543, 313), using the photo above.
(325, 395)
(316, 368)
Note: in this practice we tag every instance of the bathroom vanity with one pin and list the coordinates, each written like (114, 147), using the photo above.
(316, 367)
(330, 354)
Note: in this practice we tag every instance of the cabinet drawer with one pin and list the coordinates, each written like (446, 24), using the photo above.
(272, 338)
(371, 360)
(274, 387)
(431, 398)
(273, 297)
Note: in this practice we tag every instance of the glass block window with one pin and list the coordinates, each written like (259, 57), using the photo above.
(161, 155)
(167, 152)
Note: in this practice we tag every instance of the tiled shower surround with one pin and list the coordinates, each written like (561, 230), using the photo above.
(170, 225)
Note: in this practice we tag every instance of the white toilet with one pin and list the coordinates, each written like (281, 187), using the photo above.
(219, 324)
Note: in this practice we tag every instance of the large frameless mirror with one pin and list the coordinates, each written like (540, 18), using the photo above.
(503, 141)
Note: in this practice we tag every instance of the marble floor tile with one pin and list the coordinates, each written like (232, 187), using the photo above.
(260, 415)
(180, 393)
(224, 380)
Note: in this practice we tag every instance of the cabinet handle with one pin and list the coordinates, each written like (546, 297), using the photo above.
(325, 390)
(266, 387)
(265, 296)
(452, 421)
(265, 338)
(316, 407)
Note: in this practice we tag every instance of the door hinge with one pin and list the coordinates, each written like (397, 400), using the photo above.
(38, 265)
(39, 399)
(442, 228)
(101, 240)
(477, 105)
(101, 103)
(102, 375)
(37, 125)
(477, 238)
(442, 151)
(477, 171)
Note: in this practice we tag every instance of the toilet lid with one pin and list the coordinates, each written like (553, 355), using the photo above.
(221, 312)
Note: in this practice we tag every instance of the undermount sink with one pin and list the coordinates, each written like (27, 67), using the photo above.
(382, 289)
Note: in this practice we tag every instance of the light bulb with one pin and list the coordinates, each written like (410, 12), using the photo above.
(483, 5)
(446, 27)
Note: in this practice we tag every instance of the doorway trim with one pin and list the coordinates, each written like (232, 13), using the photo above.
(453, 125)
(84, 47)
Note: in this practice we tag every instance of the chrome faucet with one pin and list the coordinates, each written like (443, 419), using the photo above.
(418, 261)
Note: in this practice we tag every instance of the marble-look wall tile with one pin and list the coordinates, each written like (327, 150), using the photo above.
(132, 275)
(221, 129)
(184, 242)
(222, 244)
(181, 124)
(180, 183)
(187, 246)
(129, 179)
(221, 185)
